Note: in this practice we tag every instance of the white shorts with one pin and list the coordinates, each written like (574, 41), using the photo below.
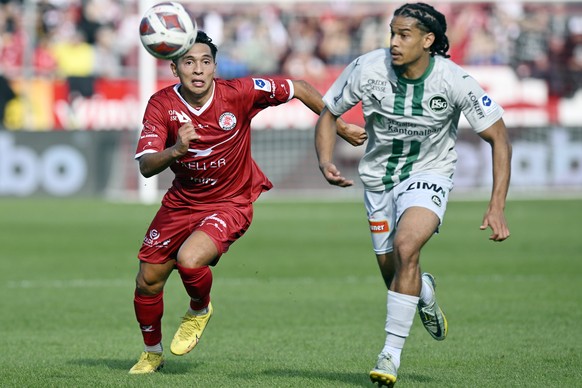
(384, 209)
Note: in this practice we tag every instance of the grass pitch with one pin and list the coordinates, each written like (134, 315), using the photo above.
(298, 300)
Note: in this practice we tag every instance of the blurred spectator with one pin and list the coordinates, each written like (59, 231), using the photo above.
(483, 50)
(374, 32)
(573, 49)
(6, 94)
(258, 51)
(79, 40)
(302, 63)
(44, 62)
(76, 62)
(557, 76)
(336, 43)
(11, 38)
(213, 25)
(463, 23)
(106, 55)
(531, 49)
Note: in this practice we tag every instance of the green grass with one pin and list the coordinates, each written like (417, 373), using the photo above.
(298, 300)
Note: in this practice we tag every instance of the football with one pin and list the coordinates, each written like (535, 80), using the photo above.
(167, 31)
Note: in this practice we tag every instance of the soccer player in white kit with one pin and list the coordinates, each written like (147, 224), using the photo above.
(412, 97)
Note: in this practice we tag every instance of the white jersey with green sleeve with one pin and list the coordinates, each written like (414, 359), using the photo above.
(411, 124)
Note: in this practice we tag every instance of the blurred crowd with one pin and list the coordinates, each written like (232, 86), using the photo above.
(87, 39)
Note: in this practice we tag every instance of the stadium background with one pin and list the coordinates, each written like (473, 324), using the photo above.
(72, 92)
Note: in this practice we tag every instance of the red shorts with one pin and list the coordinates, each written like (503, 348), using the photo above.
(171, 227)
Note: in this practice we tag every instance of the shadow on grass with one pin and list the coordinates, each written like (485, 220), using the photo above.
(345, 378)
(174, 367)
(348, 378)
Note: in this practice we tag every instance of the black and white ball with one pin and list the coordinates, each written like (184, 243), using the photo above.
(167, 30)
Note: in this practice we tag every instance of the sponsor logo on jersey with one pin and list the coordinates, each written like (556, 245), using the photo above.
(178, 116)
(476, 104)
(204, 165)
(487, 104)
(379, 226)
(262, 84)
(438, 104)
(204, 181)
(208, 151)
(377, 85)
(426, 186)
(227, 121)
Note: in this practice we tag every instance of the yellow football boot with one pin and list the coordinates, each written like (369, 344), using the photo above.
(189, 332)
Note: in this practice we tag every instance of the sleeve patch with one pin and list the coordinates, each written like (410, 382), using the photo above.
(487, 104)
(262, 84)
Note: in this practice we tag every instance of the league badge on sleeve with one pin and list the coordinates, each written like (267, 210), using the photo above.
(262, 84)
(487, 104)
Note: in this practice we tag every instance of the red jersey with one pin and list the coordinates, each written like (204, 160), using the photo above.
(218, 167)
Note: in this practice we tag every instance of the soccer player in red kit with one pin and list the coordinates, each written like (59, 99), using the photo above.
(200, 129)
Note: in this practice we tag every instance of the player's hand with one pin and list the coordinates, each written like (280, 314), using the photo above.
(353, 134)
(333, 176)
(495, 219)
(186, 134)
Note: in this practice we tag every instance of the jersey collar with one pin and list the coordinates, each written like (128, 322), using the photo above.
(204, 107)
(424, 76)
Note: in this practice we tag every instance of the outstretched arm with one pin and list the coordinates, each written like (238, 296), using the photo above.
(494, 217)
(325, 134)
(310, 97)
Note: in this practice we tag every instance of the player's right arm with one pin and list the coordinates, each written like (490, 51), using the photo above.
(325, 135)
(151, 164)
(344, 93)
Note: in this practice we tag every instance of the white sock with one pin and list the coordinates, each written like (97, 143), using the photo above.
(401, 309)
(154, 349)
(426, 292)
(198, 312)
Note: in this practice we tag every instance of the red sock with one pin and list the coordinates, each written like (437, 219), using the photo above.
(148, 311)
(197, 282)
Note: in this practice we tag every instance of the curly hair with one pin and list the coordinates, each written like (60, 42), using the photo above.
(429, 20)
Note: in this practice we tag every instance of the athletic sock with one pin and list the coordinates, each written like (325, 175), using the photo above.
(148, 312)
(155, 348)
(401, 309)
(197, 282)
(203, 311)
(426, 292)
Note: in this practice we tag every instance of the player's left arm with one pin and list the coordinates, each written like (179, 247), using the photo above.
(310, 97)
(494, 218)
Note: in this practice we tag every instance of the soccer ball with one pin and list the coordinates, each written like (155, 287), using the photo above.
(167, 31)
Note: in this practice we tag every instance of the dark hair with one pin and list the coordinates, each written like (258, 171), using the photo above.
(202, 37)
(429, 20)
